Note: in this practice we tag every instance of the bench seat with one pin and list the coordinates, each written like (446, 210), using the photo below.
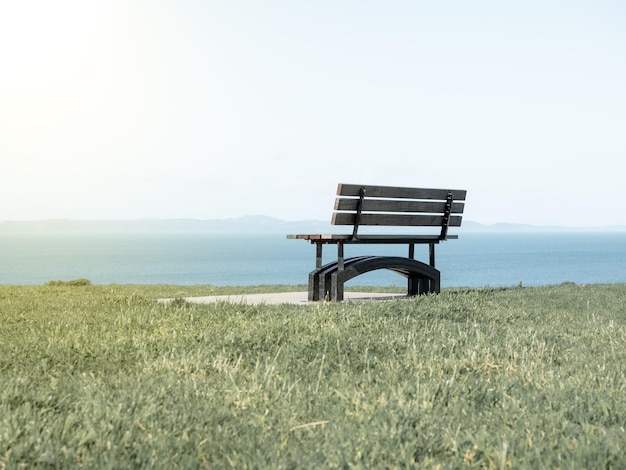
(348, 239)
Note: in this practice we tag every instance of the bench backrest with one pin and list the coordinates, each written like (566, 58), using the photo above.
(358, 205)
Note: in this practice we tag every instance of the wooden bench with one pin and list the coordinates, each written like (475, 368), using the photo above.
(364, 205)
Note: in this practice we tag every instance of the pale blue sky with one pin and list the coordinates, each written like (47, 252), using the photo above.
(210, 109)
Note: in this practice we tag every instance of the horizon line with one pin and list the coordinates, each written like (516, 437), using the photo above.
(299, 221)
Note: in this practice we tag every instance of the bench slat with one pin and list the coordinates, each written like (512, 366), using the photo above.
(401, 220)
(387, 205)
(352, 190)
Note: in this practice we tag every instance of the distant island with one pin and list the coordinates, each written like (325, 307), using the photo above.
(252, 224)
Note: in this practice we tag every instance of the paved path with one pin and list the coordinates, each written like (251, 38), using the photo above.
(298, 298)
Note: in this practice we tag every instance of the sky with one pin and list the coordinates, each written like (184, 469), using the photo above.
(124, 109)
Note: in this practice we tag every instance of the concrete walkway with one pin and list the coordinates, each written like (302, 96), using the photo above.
(297, 298)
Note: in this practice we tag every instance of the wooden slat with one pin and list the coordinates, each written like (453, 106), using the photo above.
(395, 205)
(402, 238)
(352, 190)
(400, 220)
(308, 236)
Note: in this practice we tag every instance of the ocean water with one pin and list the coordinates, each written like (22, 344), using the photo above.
(474, 260)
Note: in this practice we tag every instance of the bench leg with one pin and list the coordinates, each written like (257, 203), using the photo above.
(314, 276)
(436, 286)
(318, 255)
(336, 288)
(340, 260)
(414, 286)
(314, 285)
(431, 253)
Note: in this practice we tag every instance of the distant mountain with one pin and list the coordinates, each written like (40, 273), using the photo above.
(502, 227)
(246, 225)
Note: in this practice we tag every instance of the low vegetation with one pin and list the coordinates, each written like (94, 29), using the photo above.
(107, 377)
(73, 282)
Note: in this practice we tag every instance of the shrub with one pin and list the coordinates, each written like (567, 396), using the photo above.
(74, 282)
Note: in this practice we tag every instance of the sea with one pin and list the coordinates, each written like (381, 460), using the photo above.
(474, 260)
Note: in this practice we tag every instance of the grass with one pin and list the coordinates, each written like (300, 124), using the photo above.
(106, 377)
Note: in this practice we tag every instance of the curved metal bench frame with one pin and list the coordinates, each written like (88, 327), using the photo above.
(327, 282)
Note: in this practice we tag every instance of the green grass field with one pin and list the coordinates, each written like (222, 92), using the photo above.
(106, 377)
